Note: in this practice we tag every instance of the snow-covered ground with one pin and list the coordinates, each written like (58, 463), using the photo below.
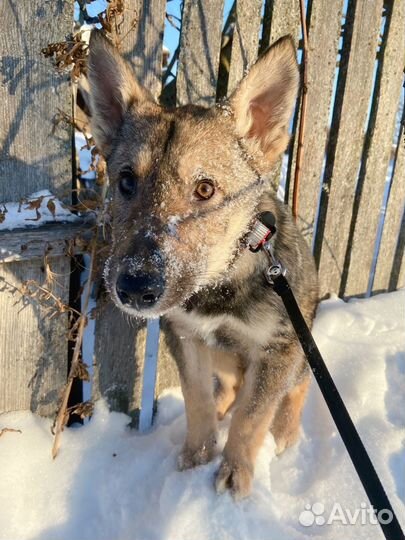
(111, 483)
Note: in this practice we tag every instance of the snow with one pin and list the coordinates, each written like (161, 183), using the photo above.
(85, 158)
(39, 208)
(112, 483)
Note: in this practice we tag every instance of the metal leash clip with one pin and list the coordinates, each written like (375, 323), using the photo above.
(260, 238)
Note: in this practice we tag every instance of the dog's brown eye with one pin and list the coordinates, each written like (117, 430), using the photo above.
(127, 184)
(204, 190)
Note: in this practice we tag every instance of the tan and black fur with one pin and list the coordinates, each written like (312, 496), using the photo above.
(183, 257)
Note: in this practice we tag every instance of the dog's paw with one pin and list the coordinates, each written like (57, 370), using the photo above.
(286, 440)
(191, 457)
(237, 476)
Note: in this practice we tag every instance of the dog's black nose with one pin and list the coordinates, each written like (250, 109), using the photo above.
(140, 292)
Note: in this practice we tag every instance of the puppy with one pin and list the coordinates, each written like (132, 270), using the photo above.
(187, 185)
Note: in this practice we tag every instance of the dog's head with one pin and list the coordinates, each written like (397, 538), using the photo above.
(185, 182)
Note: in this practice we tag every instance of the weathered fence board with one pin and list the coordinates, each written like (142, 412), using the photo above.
(280, 18)
(118, 360)
(375, 160)
(284, 19)
(362, 29)
(52, 240)
(323, 39)
(141, 40)
(398, 275)
(388, 273)
(35, 154)
(33, 355)
(245, 42)
(200, 44)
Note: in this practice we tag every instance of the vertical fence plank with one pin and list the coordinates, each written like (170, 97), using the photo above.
(375, 162)
(285, 19)
(397, 280)
(245, 42)
(389, 255)
(119, 341)
(141, 40)
(281, 18)
(397, 275)
(34, 154)
(200, 44)
(362, 28)
(117, 358)
(323, 40)
(33, 353)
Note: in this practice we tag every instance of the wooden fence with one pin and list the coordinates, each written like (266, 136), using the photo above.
(355, 76)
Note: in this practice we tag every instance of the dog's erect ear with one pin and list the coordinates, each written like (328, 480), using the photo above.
(113, 88)
(264, 101)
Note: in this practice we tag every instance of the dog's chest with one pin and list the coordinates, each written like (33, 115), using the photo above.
(209, 328)
(224, 331)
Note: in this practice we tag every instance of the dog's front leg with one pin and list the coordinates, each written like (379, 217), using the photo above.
(195, 368)
(266, 381)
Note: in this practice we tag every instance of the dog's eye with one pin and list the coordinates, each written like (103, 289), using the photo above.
(204, 190)
(127, 184)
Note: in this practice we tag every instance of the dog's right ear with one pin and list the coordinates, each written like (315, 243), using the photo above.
(264, 101)
(113, 89)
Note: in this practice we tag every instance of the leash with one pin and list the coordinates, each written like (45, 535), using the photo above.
(260, 239)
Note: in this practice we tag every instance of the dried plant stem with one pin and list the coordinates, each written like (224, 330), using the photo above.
(9, 430)
(42, 295)
(62, 414)
(301, 132)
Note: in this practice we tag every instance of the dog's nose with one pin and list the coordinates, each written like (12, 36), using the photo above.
(140, 292)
